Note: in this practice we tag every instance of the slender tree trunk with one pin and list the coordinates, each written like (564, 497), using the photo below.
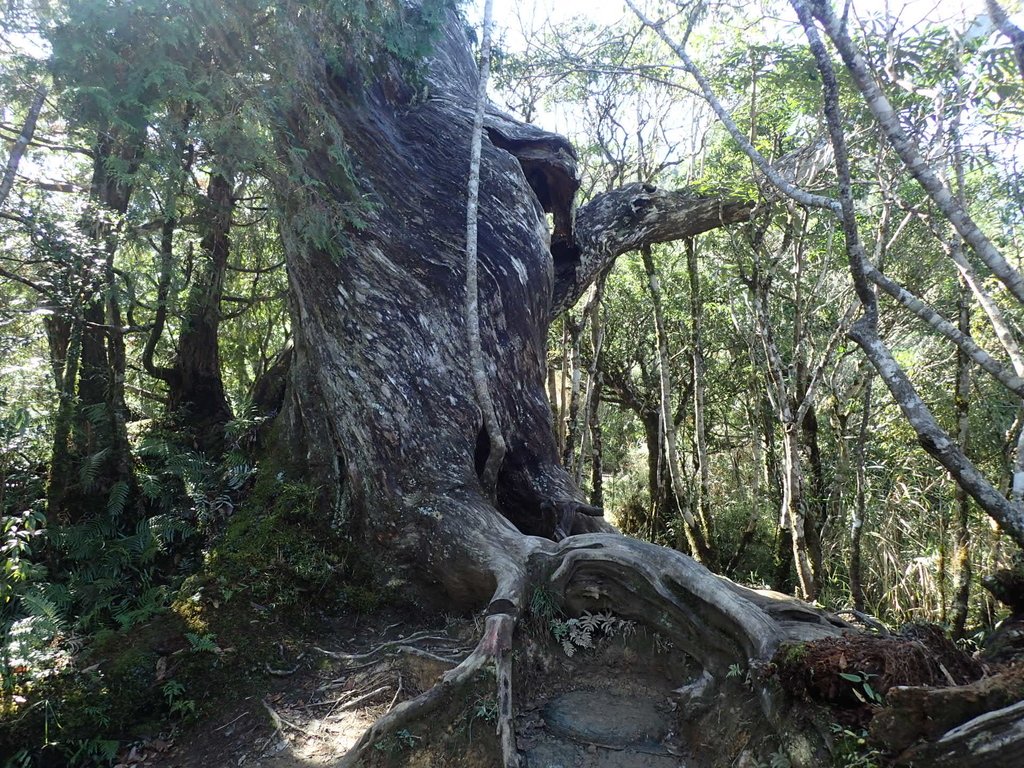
(811, 495)
(794, 502)
(563, 388)
(962, 502)
(817, 501)
(782, 579)
(118, 366)
(596, 377)
(757, 483)
(62, 455)
(694, 534)
(699, 385)
(90, 461)
(553, 403)
(21, 144)
(664, 506)
(860, 509)
(478, 367)
(570, 457)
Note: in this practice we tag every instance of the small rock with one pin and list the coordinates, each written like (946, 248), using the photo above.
(602, 717)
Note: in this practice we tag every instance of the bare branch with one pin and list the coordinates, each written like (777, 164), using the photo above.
(908, 150)
(1008, 28)
(772, 174)
(864, 332)
(21, 144)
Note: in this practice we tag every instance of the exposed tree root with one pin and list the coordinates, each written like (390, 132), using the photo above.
(710, 619)
(419, 653)
(995, 737)
(345, 701)
(506, 726)
(419, 637)
(280, 723)
(916, 713)
(495, 645)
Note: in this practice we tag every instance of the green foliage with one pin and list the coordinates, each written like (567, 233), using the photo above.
(862, 687)
(542, 604)
(108, 582)
(851, 749)
(93, 751)
(400, 741)
(205, 643)
(68, 715)
(19, 532)
(280, 553)
(582, 633)
(179, 704)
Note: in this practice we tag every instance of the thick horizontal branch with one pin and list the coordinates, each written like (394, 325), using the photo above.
(628, 218)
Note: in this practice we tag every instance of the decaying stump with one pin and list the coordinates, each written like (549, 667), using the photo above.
(915, 713)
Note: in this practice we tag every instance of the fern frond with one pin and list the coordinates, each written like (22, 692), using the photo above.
(118, 499)
(96, 413)
(164, 528)
(44, 613)
(155, 447)
(90, 468)
(150, 485)
(58, 594)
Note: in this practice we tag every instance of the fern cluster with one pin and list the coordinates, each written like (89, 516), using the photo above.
(582, 633)
(67, 586)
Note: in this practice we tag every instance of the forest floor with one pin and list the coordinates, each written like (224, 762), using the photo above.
(313, 708)
(609, 706)
(610, 701)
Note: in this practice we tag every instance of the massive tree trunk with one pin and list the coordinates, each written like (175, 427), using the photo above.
(381, 398)
(195, 389)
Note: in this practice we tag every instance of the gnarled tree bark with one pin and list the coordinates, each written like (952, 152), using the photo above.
(382, 400)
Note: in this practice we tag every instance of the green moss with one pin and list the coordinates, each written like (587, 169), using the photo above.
(275, 572)
(792, 653)
(278, 553)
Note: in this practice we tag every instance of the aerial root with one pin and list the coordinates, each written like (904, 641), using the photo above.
(496, 645)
